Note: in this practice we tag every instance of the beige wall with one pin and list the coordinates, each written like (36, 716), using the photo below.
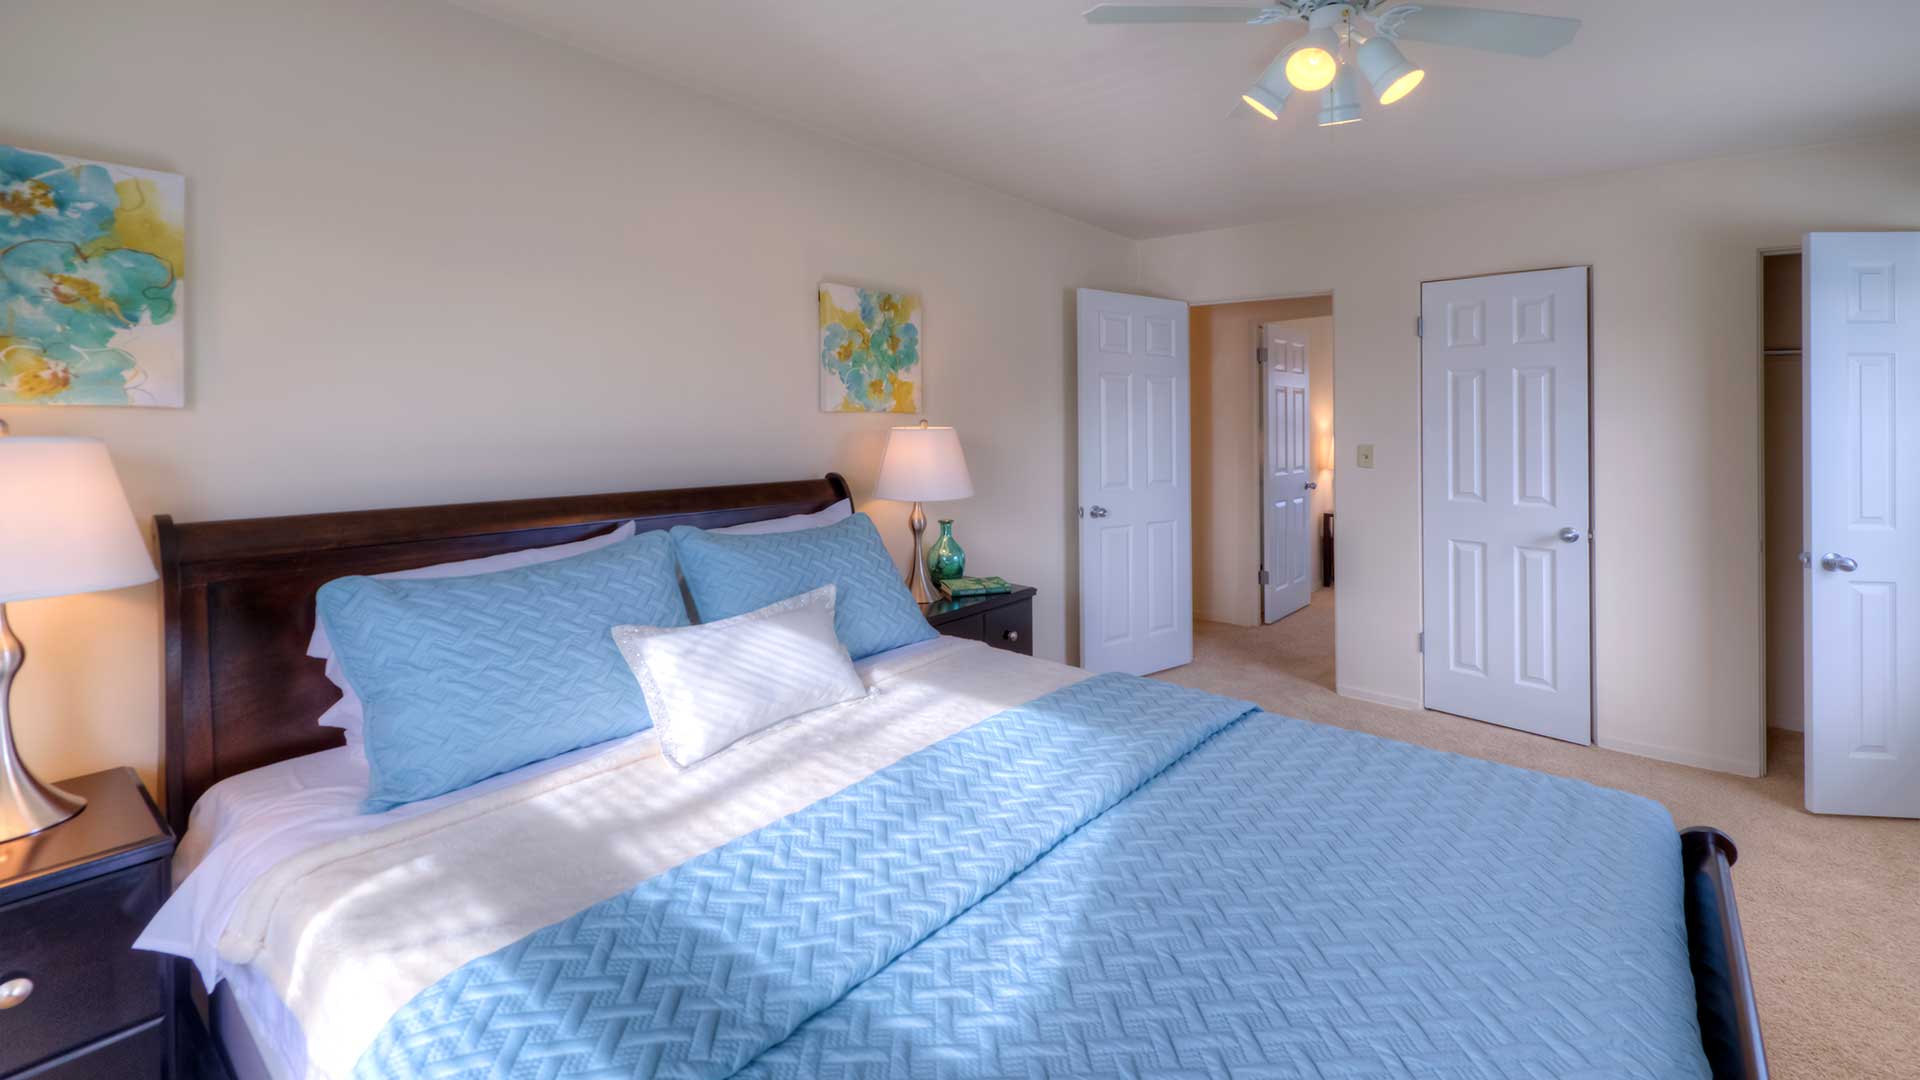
(1226, 447)
(434, 258)
(437, 259)
(1677, 405)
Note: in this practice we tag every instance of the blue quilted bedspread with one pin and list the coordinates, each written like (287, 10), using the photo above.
(1124, 878)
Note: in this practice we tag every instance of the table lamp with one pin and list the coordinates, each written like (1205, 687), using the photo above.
(65, 528)
(922, 464)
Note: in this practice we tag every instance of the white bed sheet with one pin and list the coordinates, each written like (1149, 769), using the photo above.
(247, 824)
(250, 824)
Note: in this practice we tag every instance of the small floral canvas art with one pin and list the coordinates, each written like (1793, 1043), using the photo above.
(92, 282)
(869, 350)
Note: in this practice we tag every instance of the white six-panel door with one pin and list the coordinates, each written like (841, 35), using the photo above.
(1287, 484)
(1505, 556)
(1862, 394)
(1136, 506)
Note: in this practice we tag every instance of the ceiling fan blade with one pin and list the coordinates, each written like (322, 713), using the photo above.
(1478, 28)
(1172, 13)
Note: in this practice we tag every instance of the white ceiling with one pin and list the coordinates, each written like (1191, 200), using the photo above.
(1132, 127)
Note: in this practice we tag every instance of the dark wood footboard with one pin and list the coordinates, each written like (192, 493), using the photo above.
(1722, 983)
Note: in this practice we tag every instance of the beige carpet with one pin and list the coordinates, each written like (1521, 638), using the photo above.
(1831, 905)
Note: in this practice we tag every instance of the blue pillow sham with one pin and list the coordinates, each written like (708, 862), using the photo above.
(466, 678)
(731, 575)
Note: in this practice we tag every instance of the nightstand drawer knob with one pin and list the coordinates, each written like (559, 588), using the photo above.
(1012, 635)
(15, 992)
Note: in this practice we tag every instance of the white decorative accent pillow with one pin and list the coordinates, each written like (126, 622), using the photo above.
(709, 686)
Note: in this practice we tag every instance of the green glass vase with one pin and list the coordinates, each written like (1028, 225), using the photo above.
(945, 559)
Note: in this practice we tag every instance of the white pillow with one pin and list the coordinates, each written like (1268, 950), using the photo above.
(709, 686)
(838, 512)
(346, 713)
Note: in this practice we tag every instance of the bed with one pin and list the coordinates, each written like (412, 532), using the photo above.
(992, 865)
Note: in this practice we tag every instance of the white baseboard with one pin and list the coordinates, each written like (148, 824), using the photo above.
(1715, 762)
(1376, 697)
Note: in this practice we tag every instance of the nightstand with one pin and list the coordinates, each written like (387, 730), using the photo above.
(1003, 620)
(76, 1001)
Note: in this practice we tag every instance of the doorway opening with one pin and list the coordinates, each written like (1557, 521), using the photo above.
(1263, 472)
(1783, 484)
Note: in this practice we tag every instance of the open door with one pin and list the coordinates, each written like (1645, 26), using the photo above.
(1136, 502)
(1862, 395)
(1286, 478)
(1504, 480)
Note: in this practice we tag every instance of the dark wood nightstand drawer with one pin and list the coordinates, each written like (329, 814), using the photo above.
(76, 944)
(971, 627)
(133, 1055)
(72, 900)
(1002, 620)
(1011, 627)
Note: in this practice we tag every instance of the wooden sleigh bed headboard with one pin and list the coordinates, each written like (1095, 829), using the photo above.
(241, 691)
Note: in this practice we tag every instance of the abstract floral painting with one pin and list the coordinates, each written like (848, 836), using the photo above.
(91, 282)
(869, 350)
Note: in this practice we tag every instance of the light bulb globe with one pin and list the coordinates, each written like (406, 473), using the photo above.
(1313, 60)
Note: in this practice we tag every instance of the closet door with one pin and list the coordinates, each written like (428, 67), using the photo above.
(1862, 394)
(1506, 565)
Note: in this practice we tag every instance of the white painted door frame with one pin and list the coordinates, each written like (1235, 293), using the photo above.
(1506, 500)
(1136, 494)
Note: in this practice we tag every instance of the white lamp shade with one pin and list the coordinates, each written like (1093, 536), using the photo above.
(1268, 95)
(1391, 74)
(1341, 103)
(65, 526)
(923, 464)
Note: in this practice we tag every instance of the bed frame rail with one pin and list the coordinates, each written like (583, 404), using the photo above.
(1722, 982)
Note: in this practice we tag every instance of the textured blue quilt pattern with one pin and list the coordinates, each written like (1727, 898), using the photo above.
(696, 971)
(1121, 879)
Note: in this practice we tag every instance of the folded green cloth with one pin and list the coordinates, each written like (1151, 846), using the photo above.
(974, 586)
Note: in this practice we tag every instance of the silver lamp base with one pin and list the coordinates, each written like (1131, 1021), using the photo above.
(917, 581)
(27, 806)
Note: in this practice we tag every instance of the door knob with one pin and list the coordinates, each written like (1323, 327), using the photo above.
(1098, 511)
(1313, 485)
(1833, 560)
(1569, 535)
(15, 992)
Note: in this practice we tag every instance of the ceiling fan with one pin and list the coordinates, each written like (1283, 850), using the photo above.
(1333, 55)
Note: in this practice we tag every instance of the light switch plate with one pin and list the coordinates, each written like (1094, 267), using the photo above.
(1366, 455)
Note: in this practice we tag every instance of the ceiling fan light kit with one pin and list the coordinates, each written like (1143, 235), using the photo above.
(1341, 103)
(1387, 70)
(1262, 101)
(1312, 61)
(1332, 56)
(1269, 94)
